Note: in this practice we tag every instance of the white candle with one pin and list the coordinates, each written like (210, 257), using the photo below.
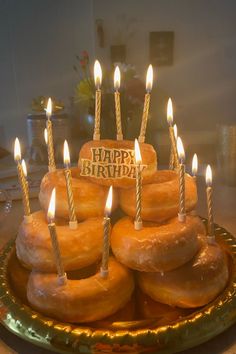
(181, 154)
(98, 99)
(149, 82)
(106, 235)
(194, 173)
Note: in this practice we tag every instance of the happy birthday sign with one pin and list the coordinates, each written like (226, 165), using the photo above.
(109, 163)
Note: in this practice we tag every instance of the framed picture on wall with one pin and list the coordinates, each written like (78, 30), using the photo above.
(161, 48)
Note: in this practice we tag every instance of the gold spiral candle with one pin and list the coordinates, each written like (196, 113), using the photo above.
(98, 99)
(142, 134)
(149, 81)
(181, 155)
(174, 148)
(211, 230)
(106, 235)
(119, 135)
(51, 160)
(70, 196)
(24, 189)
(138, 159)
(54, 239)
(106, 245)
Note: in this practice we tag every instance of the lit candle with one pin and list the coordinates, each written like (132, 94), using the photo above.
(174, 162)
(211, 231)
(70, 197)
(24, 169)
(54, 239)
(51, 160)
(181, 154)
(98, 99)
(149, 81)
(138, 224)
(119, 135)
(22, 181)
(106, 235)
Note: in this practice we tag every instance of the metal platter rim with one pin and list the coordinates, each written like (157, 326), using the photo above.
(66, 338)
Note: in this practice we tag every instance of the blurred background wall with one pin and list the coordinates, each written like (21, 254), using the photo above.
(40, 38)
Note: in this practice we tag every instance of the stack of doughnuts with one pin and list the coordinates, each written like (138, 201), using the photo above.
(175, 268)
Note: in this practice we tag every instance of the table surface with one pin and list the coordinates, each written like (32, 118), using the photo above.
(225, 215)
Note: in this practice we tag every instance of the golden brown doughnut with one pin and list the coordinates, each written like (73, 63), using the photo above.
(111, 162)
(156, 247)
(90, 198)
(79, 248)
(163, 314)
(160, 197)
(83, 300)
(194, 284)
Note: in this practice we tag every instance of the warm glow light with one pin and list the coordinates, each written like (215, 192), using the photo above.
(23, 164)
(49, 107)
(169, 112)
(208, 176)
(66, 153)
(138, 157)
(149, 78)
(180, 149)
(52, 206)
(194, 165)
(97, 74)
(46, 136)
(109, 202)
(175, 131)
(117, 78)
(17, 150)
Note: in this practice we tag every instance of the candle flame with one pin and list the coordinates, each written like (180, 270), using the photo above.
(97, 74)
(52, 206)
(46, 136)
(17, 150)
(149, 78)
(138, 157)
(169, 112)
(117, 78)
(109, 202)
(49, 107)
(180, 149)
(208, 176)
(66, 153)
(175, 132)
(24, 168)
(194, 165)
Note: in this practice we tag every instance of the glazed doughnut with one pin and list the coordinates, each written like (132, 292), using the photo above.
(83, 300)
(90, 198)
(79, 248)
(156, 247)
(160, 197)
(112, 162)
(194, 284)
(163, 314)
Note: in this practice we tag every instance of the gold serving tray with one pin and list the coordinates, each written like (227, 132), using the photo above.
(143, 336)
